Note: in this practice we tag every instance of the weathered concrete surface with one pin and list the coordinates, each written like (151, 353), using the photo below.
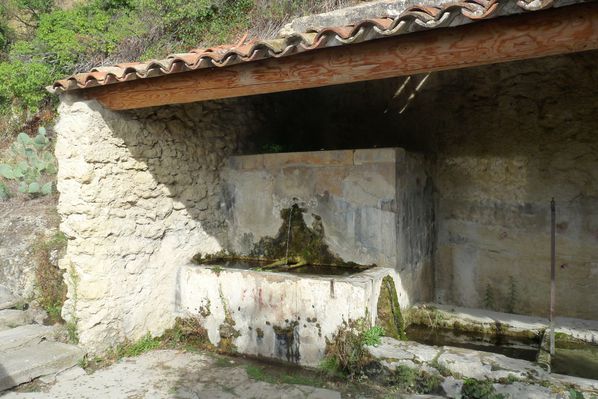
(23, 365)
(139, 196)
(171, 374)
(277, 315)
(28, 335)
(20, 227)
(375, 206)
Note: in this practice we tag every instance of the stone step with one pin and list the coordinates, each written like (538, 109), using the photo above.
(28, 335)
(11, 318)
(7, 299)
(25, 364)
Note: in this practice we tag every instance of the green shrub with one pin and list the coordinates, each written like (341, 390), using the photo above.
(32, 162)
(130, 349)
(410, 380)
(477, 389)
(22, 83)
(371, 337)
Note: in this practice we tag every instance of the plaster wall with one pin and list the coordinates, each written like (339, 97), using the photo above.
(375, 206)
(139, 196)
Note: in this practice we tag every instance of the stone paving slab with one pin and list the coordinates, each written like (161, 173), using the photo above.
(7, 299)
(170, 374)
(27, 335)
(10, 318)
(25, 364)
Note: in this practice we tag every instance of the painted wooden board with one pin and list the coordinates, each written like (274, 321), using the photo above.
(542, 33)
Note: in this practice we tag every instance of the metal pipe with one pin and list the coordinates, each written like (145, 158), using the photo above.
(552, 271)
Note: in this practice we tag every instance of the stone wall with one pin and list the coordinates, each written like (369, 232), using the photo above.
(139, 196)
(508, 139)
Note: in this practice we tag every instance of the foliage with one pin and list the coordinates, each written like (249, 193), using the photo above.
(73, 335)
(32, 161)
(22, 83)
(411, 380)
(51, 289)
(187, 333)
(575, 394)
(477, 389)
(371, 337)
(41, 42)
(130, 349)
(346, 353)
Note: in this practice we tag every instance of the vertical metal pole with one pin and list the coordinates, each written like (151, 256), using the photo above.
(552, 272)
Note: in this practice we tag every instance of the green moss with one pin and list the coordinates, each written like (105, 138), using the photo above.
(305, 244)
(227, 330)
(389, 310)
(261, 374)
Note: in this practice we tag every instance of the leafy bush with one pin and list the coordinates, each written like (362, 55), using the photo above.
(32, 162)
(22, 83)
(476, 389)
(371, 337)
(411, 380)
(346, 353)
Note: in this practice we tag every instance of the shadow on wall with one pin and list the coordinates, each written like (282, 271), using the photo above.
(506, 139)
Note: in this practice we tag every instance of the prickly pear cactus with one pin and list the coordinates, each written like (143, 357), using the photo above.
(33, 164)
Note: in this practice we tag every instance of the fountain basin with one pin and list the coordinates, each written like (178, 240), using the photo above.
(282, 316)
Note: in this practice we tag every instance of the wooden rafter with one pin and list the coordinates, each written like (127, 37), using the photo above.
(543, 33)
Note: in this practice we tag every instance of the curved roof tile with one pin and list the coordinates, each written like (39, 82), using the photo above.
(415, 18)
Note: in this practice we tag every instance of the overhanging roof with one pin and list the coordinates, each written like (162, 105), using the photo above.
(412, 42)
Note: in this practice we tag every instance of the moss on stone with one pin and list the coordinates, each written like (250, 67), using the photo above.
(389, 311)
(227, 330)
(305, 245)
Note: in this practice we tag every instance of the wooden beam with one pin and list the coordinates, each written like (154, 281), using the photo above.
(537, 34)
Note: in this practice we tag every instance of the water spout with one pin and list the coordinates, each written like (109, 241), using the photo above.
(286, 257)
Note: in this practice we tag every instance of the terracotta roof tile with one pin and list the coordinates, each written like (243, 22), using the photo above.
(413, 19)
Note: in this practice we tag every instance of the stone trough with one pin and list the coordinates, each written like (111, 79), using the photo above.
(282, 316)
(349, 208)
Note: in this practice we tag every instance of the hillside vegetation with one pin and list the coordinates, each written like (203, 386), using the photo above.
(43, 40)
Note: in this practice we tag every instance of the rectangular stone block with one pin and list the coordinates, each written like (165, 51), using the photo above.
(309, 159)
(377, 155)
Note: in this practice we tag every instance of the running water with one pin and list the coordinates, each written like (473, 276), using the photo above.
(289, 234)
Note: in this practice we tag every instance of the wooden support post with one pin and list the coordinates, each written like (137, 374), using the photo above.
(552, 272)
